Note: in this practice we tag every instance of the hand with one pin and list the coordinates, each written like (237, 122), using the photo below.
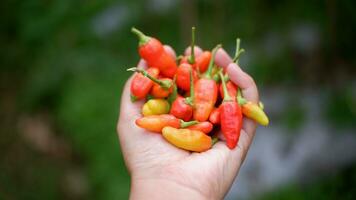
(160, 170)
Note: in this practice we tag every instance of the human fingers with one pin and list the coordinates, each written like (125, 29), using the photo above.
(170, 51)
(197, 51)
(222, 58)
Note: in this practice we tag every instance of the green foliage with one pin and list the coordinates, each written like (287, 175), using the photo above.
(341, 109)
(337, 186)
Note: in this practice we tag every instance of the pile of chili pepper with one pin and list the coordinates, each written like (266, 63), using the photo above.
(189, 100)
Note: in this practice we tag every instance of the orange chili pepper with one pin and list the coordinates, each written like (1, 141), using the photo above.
(156, 123)
(206, 93)
(141, 85)
(160, 90)
(186, 139)
(204, 127)
(152, 51)
(215, 116)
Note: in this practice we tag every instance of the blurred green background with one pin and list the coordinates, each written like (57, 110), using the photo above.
(63, 68)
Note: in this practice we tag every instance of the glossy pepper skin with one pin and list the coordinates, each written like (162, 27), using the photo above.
(204, 127)
(230, 118)
(252, 110)
(160, 91)
(152, 51)
(231, 88)
(215, 116)
(156, 123)
(186, 139)
(141, 85)
(182, 108)
(162, 87)
(206, 92)
(183, 76)
(155, 107)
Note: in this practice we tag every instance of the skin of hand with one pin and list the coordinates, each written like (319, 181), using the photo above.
(160, 170)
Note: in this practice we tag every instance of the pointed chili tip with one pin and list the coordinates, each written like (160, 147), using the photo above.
(133, 98)
(214, 140)
(261, 105)
(143, 39)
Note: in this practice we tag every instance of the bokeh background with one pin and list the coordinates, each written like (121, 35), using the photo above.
(63, 68)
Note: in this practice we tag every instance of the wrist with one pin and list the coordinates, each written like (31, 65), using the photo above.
(162, 189)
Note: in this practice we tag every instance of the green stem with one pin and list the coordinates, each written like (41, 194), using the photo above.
(238, 51)
(261, 105)
(214, 140)
(191, 58)
(143, 39)
(190, 100)
(211, 63)
(239, 98)
(216, 76)
(163, 83)
(227, 96)
(184, 124)
(172, 97)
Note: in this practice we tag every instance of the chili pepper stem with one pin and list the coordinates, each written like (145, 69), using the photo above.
(214, 140)
(239, 98)
(190, 100)
(211, 63)
(184, 124)
(164, 84)
(227, 96)
(216, 76)
(143, 39)
(133, 98)
(238, 51)
(179, 58)
(174, 93)
(261, 105)
(191, 58)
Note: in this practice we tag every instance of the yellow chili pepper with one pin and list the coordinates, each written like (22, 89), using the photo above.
(190, 140)
(253, 111)
(155, 107)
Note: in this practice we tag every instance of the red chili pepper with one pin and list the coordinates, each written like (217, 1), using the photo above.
(162, 87)
(152, 51)
(156, 123)
(231, 88)
(215, 116)
(183, 76)
(204, 127)
(206, 92)
(141, 85)
(182, 108)
(230, 118)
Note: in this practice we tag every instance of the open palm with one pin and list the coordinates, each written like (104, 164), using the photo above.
(154, 164)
